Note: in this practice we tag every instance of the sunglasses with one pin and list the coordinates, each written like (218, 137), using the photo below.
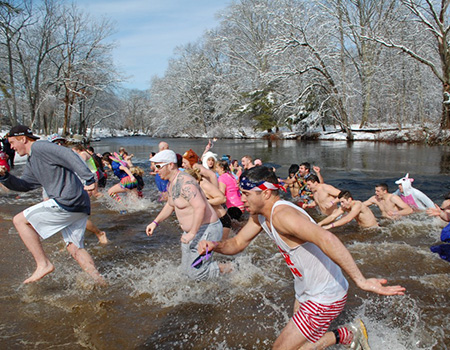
(159, 166)
(199, 260)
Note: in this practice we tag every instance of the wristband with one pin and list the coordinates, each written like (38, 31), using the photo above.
(154, 222)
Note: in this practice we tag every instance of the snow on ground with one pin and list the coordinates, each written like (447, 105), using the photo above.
(384, 133)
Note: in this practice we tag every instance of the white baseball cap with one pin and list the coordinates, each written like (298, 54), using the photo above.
(165, 156)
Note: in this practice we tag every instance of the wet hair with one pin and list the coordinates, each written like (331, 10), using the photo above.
(105, 157)
(293, 169)
(447, 196)
(137, 170)
(195, 173)
(90, 149)
(179, 160)
(313, 178)
(79, 147)
(224, 165)
(345, 194)
(306, 165)
(260, 173)
(383, 185)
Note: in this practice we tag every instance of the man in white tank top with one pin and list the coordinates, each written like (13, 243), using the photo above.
(314, 256)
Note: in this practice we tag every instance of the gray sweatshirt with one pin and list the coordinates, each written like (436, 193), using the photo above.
(55, 168)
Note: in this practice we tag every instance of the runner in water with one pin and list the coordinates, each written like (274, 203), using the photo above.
(58, 170)
(314, 256)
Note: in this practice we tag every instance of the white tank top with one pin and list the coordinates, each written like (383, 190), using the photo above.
(316, 276)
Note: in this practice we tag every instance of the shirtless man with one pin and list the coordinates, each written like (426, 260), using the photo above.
(325, 196)
(197, 218)
(391, 205)
(304, 171)
(247, 162)
(292, 182)
(350, 209)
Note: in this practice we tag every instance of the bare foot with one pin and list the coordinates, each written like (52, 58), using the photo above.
(100, 281)
(95, 275)
(102, 239)
(39, 273)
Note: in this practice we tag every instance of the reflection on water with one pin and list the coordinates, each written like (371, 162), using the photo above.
(149, 305)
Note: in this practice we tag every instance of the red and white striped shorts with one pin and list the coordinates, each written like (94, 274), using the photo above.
(313, 319)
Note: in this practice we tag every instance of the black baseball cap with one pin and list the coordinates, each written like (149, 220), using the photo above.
(22, 130)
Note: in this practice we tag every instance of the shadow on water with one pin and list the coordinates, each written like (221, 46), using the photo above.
(150, 305)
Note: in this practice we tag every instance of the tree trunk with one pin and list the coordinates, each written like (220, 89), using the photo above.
(445, 118)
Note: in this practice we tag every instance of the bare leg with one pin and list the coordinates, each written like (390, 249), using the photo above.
(101, 235)
(114, 192)
(32, 241)
(292, 338)
(86, 263)
(327, 340)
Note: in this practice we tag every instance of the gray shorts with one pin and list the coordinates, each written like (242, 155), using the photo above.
(209, 268)
(48, 218)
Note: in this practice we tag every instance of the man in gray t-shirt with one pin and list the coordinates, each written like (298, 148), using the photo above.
(58, 170)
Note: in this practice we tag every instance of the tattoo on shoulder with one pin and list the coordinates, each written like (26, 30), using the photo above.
(185, 187)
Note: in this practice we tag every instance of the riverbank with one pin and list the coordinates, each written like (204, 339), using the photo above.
(427, 134)
(385, 133)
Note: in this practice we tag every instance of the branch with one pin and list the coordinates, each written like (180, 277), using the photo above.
(413, 8)
(103, 118)
(410, 53)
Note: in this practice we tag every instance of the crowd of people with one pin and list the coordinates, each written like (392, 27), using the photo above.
(209, 196)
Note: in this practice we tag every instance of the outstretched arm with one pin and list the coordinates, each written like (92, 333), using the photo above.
(235, 244)
(163, 214)
(297, 226)
(370, 201)
(405, 209)
(354, 212)
(437, 211)
(330, 218)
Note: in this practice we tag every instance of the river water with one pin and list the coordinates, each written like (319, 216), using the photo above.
(149, 305)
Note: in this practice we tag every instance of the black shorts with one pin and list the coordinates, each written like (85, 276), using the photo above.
(226, 221)
(235, 213)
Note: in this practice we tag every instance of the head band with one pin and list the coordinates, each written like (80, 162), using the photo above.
(248, 185)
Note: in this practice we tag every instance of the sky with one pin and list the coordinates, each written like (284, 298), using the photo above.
(148, 31)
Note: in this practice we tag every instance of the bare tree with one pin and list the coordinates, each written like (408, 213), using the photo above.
(433, 17)
(14, 17)
(306, 37)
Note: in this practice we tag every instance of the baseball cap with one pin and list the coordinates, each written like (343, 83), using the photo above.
(165, 156)
(22, 130)
(55, 137)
